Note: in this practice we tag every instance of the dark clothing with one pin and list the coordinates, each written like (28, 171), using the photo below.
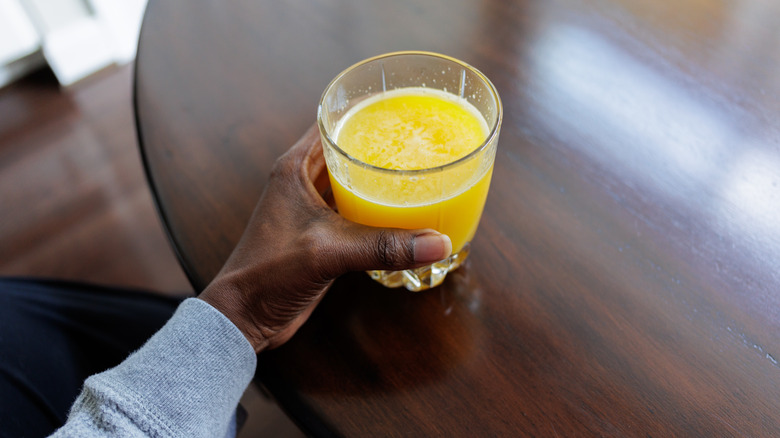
(55, 334)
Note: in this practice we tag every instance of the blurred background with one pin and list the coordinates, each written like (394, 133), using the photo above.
(74, 201)
(75, 38)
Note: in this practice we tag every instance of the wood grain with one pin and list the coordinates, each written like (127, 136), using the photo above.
(625, 277)
(73, 201)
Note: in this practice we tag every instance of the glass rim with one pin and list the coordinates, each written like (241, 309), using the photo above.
(494, 129)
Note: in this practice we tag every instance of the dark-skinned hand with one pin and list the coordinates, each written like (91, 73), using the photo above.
(295, 246)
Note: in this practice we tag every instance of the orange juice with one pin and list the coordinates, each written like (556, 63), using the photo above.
(407, 130)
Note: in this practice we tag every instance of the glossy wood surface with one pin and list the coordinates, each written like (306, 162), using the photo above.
(74, 204)
(625, 279)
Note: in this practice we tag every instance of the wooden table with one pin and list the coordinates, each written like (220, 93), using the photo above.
(625, 279)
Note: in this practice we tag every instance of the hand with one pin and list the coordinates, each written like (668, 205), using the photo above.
(295, 246)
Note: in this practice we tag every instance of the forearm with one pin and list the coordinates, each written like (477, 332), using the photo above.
(186, 381)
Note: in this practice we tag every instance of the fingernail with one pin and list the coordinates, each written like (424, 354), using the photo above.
(431, 247)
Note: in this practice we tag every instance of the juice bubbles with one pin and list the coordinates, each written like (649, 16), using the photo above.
(409, 140)
(411, 129)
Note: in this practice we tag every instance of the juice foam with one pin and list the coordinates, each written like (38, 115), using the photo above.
(411, 128)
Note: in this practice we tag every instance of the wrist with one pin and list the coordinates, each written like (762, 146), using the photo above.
(227, 300)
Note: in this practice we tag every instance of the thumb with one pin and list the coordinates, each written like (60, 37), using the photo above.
(366, 248)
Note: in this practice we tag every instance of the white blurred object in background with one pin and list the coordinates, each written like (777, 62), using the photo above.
(74, 37)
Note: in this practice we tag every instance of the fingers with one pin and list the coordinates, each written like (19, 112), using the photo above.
(431, 247)
(308, 144)
(317, 172)
(363, 248)
(302, 168)
(358, 247)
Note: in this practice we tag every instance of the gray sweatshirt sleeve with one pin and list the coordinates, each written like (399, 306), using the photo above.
(186, 381)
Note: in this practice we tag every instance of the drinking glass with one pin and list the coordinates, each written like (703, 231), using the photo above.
(448, 198)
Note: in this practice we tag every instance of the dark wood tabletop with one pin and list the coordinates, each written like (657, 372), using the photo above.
(625, 278)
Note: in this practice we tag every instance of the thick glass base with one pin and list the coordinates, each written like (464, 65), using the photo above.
(420, 279)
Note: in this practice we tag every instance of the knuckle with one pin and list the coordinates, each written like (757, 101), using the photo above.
(282, 168)
(289, 165)
(390, 251)
(312, 241)
(314, 245)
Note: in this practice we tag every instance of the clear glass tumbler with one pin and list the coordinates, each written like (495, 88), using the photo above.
(448, 198)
